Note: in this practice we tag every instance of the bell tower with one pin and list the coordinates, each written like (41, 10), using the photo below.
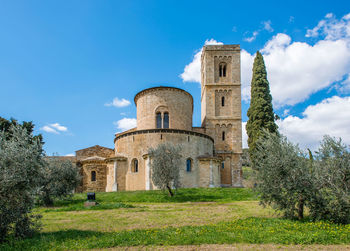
(221, 107)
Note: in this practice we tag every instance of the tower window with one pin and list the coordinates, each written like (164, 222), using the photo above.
(188, 165)
(166, 120)
(222, 70)
(93, 176)
(159, 120)
(223, 136)
(222, 165)
(135, 166)
(222, 101)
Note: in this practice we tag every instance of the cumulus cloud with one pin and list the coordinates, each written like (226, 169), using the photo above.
(55, 128)
(192, 71)
(331, 27)
(296, 70)
(252, 37)
(125, 124)
(244, 136)
(119, 102)
(267, 26)
(331, 116)
(246, 73)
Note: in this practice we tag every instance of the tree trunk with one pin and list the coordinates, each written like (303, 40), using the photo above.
(301, 208)
(47, 200)
(170, 192)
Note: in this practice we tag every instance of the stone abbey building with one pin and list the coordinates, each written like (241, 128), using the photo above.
(211, 153)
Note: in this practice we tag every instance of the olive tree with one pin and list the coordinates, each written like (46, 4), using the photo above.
(20, 164)
(165, 166)
(331, 201)
(283, 175)
(59, 178)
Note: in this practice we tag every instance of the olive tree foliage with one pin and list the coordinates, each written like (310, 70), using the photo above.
(332, 182)
(282, 174)
(59, 178)
(165, 166)
(20, 165)
(289, 180)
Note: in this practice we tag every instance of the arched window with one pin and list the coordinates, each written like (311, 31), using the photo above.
(188, 165)
(223, 135)
(222, 101)
(222, 165)
(159, 120)
(134, 166)
(222, 70)
(93, 176)
(166, 120)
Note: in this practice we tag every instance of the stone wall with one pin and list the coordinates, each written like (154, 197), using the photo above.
(101, 171)
(178, 103)
(135, 146)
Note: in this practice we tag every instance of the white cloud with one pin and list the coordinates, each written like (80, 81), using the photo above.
(246, 73)
(286, 112)
(118, 102)
(125, 124)
(267, 26)
(244, 136)
(331, 28)
(252, 37)
(55, 128)
(70, 154)
(192, 71)
(48, 129)
(331, 116)
(296, 70)
(58, 127)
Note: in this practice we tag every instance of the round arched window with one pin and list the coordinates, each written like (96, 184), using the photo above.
(134, 166)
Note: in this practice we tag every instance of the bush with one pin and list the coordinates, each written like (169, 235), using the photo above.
(20, 164)
(59, 178)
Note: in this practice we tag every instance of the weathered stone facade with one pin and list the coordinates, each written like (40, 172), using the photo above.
(164, 114)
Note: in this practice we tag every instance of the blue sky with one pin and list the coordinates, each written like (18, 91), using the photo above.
(62, 63)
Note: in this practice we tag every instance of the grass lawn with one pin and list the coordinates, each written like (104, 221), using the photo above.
(193, 217)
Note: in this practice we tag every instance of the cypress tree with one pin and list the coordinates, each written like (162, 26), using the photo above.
(260, 112)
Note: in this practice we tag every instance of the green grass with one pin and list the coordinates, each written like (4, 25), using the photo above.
(74, 206)
(145, 218)
(249, 230)
(157, 196)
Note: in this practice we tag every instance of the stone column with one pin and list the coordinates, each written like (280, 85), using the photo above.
(147, 173)
(115, 184)
(211, 178)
